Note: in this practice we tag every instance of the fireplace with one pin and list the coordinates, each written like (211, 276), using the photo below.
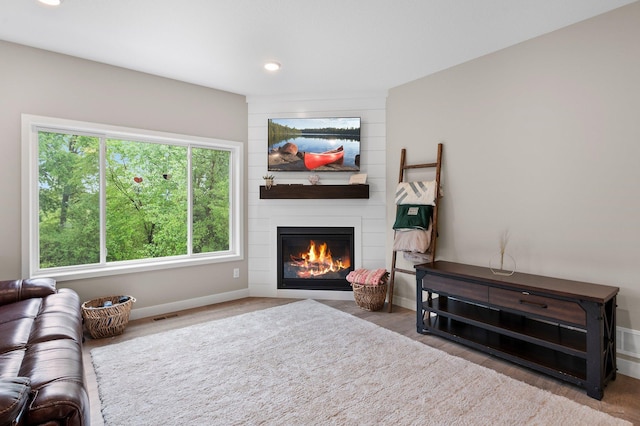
(314, 258)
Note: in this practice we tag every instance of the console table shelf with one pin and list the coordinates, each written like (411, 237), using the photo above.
(314, 191)
(562, 339)
(562, 328)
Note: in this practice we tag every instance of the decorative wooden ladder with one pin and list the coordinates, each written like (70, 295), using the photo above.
(434, 220)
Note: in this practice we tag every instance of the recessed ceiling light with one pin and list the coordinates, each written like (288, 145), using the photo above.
(272, 66)
(51, 2)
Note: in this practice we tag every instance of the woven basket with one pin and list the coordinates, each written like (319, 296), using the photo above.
(370, 297)
(106, 321)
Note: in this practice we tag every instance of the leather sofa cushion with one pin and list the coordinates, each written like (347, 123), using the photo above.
(51, 361)
(15, 334)
(65, 301)
(10, 363)
(60, 400)
(57, 382)
(54, 320)
(24, 309)
(14, 393)
(15, 290)
(54, 326)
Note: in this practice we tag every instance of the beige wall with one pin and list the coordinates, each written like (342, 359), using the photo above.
(37, 82)
(542, 139)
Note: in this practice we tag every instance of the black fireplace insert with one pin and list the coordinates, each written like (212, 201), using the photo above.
(314, 258)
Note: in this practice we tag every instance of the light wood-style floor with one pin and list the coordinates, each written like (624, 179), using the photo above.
(621, 396)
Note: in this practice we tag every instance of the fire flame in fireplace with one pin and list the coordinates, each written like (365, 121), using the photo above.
(318, 261)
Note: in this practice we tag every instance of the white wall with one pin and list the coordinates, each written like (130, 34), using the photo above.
(541, 139)
(38, 82)
(265, 215)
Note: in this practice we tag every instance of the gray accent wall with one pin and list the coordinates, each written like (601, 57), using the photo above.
(39, 82)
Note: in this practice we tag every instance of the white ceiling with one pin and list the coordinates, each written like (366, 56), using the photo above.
(324, 46)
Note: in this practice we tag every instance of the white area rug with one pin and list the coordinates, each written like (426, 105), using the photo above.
(306, 364)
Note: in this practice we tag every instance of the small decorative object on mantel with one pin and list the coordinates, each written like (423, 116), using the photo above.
(314, 179)
(358, 179)
(369, 287)
(502, 263)
(268, 181)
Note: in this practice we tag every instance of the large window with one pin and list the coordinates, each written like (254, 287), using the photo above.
(104, 200)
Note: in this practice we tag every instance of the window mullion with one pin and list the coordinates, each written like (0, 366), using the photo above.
(189, 203)
(103, 200)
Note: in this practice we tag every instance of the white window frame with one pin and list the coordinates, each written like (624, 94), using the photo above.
(32, 124)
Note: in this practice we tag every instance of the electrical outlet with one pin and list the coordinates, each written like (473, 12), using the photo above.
(236, 273)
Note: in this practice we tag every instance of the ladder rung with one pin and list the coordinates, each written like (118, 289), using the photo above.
(420, 166)
(405, 271)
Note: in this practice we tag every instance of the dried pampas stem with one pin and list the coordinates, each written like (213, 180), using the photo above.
(504, 239)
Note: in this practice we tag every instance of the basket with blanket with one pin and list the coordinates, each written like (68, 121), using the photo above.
(369, 287)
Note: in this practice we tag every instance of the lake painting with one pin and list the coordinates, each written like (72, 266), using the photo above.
(314, 144)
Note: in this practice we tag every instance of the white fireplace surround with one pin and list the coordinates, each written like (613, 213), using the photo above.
(311, 221)
(366, 216)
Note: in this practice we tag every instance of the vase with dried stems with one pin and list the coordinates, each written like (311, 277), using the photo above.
(503, 263)
(268, 181)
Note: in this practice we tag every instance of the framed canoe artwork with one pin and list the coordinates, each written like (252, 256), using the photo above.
(314, 144)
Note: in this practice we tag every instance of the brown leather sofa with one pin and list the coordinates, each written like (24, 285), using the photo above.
(41, 372)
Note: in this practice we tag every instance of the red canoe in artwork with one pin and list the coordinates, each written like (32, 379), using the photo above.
(314, 160)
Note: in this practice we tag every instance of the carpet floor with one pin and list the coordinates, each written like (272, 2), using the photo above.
(305, 363)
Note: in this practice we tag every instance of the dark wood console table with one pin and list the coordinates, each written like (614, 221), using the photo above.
(563, 328)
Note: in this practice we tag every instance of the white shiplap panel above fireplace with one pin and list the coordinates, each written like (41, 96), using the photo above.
(367, 216)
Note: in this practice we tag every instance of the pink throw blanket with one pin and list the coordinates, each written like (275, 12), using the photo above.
(366, 276)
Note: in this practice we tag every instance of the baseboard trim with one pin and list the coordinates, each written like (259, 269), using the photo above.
(404, 302)
(628, 368)
(301, 294)
(316, 294)
(166, 308)
(628, 344)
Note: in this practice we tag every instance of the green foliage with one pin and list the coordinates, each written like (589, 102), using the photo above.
(210, 183)
(146, 200)
(333, 131)
(278, 132)
(69, 199)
